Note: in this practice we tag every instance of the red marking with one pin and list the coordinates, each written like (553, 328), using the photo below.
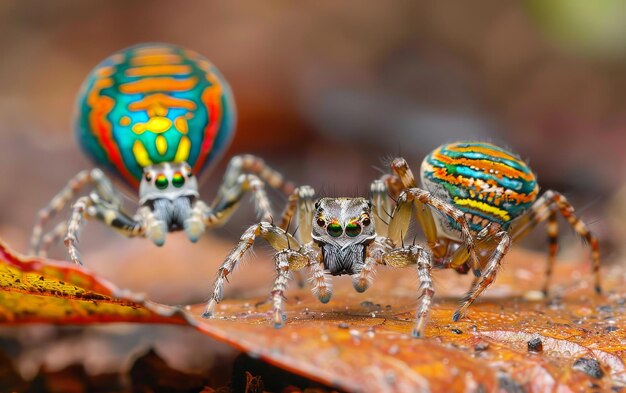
(102, 130)
(211, 102)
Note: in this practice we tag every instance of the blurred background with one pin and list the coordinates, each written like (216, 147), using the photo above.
(324, 90)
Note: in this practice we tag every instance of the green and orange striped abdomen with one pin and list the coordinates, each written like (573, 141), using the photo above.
(154, 103)
(486, 182)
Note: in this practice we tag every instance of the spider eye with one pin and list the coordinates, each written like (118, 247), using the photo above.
(334, 230)
(321, 222)
(178, 180)
(366, 221)
(161, 182)
(188, 171)
(148, 177)
(353, 229)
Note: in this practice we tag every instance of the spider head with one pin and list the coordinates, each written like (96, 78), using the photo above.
(343, 221)
(169, 189)
(343, 227)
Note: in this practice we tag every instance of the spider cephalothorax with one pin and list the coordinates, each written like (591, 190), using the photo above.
(338, 236)
(156, 116)
(342, 229)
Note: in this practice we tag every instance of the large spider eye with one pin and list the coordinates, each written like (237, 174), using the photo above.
(321, 222)
(334, 230)
(178, 180)
(161, 182)
(366, 221)
(353, 229)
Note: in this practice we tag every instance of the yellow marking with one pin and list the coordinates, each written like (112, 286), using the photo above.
(159, 70)
(161, 144)
(141, 155)
(156, 124)
(109, 216)
(124, 121)
(181, 124)
(156, 59)
(482, 206)
(182, 153)
(148, 85)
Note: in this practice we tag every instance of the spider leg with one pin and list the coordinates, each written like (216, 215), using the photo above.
(228, 200)
(248, 163)
(276, 237)
(255, 167)
(285, 261)
(93, 207)
(320, 277)
(424, 215)
(373, 255)
(52, 237)
(102, 186)
(380, 206)
(415, 255)
(541, 211)
(422, 198)
(488, 275)
(300, 202)
(553, 247)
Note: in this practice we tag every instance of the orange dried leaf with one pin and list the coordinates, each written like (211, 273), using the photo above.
(361, 342)
(38, 290)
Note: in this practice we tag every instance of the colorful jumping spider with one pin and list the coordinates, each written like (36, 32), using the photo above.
(338, 236)
(497, 192)
(157, 116)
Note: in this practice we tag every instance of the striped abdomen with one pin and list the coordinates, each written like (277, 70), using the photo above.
(486, 182)
(154, 103)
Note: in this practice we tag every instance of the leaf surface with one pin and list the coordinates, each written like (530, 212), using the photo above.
(361, 342)
(38, 290)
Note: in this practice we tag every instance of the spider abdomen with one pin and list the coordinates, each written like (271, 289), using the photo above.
(487, 183)
(151, 104)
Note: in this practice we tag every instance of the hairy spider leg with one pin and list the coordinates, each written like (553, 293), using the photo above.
(93, 206)
(543, 209)
(275, 236)
(416, 255)
(381, 206)
(95, 177)
(420, 199)
(439, 246)
(253, 165)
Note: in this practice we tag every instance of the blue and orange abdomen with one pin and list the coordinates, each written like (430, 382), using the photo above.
(486, 182)
(154, 103)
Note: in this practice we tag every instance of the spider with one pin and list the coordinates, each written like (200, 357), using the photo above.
(156, 115)
(339, 236)
(497, 192)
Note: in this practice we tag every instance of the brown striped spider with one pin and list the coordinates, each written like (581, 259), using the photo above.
(339, 236)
